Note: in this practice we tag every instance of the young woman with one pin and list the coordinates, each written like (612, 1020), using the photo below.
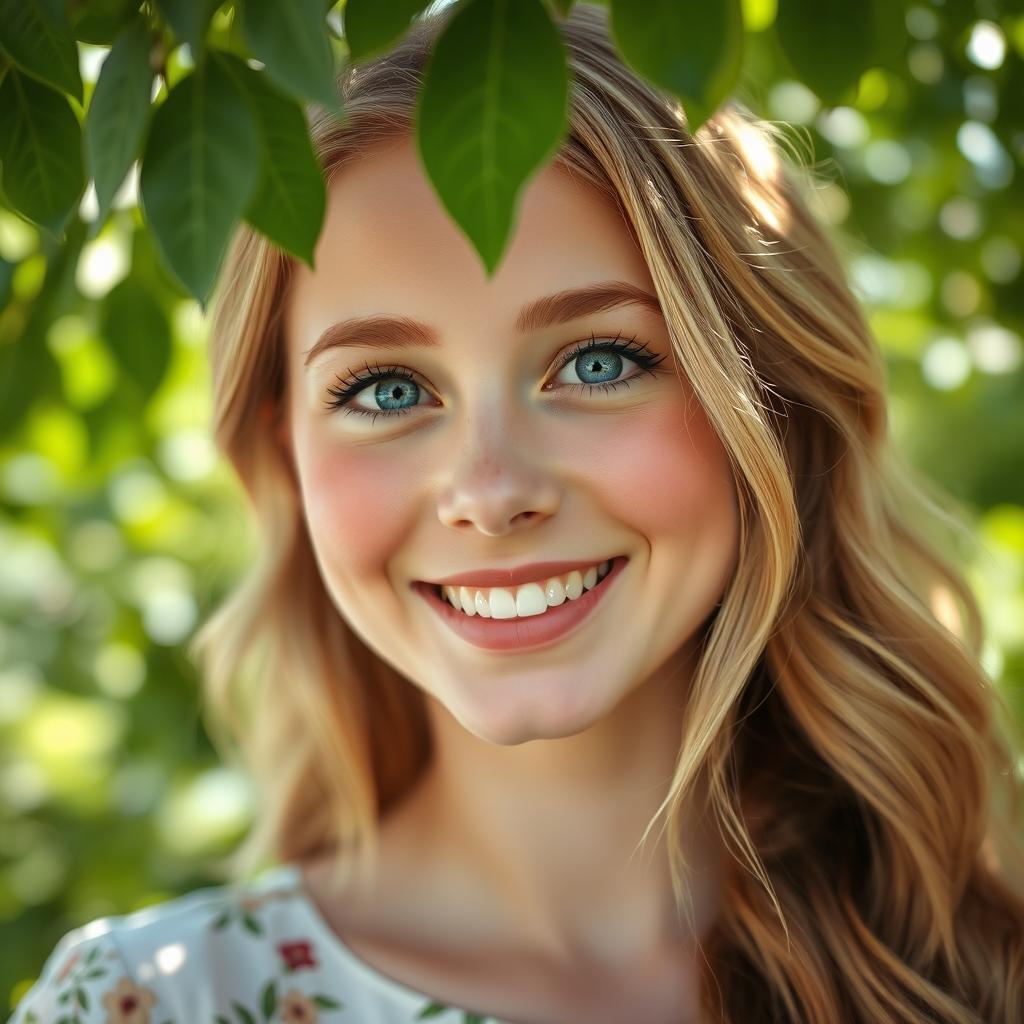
(593, 665)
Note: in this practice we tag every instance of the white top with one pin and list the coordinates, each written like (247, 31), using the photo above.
(227, 954)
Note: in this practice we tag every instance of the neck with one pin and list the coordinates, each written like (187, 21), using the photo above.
(541, 838)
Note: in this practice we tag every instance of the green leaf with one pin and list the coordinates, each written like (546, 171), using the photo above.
(291, 40)
(102, 21)
(40, 150)
(134, 328)
(290, 199)
(689, 48)
(190, 20)
(492, 110)
(37, 37)
(432, 1010)
(199, 171)
(83, 999)
(327, 1002)
(243, 1014)
(252, 924)
(560, 8)
(269, 999)
(118, 111)
(890, 41)
(6, 277)
(830, 43)
(374, 26)
(28, 370)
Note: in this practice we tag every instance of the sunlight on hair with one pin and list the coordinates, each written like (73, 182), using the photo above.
(758, 151)
(944, 609)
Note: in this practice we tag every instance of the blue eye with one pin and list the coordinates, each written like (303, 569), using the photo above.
(397, 384)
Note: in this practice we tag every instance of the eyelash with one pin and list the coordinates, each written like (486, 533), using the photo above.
(345, 392)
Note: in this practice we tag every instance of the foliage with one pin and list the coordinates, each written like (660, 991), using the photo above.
(134, 137)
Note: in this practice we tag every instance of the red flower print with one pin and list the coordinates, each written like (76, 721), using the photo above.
(296, 955)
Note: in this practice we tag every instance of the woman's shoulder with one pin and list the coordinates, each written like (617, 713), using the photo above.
(215, 950)
(235, 953)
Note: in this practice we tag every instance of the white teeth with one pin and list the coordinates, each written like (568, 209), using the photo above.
(528, 599)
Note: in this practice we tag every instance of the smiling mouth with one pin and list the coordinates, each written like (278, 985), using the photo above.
(530, 632)
(438, 589)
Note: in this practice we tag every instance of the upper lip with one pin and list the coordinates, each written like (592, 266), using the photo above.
(534, 572)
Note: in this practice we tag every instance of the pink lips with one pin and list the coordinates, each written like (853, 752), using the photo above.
(521, 634)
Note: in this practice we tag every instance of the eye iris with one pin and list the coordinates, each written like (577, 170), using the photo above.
(604, 352)
(392, 392)
(610, 359)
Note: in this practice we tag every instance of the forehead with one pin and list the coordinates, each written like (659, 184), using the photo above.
(388, 245)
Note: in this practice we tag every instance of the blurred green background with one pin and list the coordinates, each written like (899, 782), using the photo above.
(120, 527)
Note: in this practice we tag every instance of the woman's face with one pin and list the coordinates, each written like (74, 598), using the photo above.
(496, 454)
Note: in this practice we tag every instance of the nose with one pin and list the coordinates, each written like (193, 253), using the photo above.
(498, 482)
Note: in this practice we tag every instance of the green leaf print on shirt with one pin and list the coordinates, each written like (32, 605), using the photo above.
(244, 908)
(434, 1009)
(431, 1010)
(125, 1002)
(290, 1006)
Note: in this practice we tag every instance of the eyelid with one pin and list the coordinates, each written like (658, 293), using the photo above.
(574, 348)
(602, 341)
(351, 388)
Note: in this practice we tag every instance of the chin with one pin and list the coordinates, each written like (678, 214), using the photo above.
(519, 722)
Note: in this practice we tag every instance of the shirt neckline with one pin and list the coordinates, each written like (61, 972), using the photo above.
(290, 873)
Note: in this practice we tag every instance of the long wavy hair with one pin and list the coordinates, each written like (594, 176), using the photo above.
(860, 761)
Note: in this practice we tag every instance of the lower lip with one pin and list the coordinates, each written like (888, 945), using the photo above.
(521, 634)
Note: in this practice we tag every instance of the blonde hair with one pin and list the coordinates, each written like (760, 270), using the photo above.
(859, 759)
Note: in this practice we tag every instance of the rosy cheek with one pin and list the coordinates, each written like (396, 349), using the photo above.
(670, 472)
(355, 504)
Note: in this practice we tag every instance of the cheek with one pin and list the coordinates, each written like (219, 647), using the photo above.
(668, 472)
(354, 506)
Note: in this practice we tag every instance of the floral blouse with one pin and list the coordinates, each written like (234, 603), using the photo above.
(255, 954)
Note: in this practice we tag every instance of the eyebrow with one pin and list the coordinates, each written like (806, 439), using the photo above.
(563, 306)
